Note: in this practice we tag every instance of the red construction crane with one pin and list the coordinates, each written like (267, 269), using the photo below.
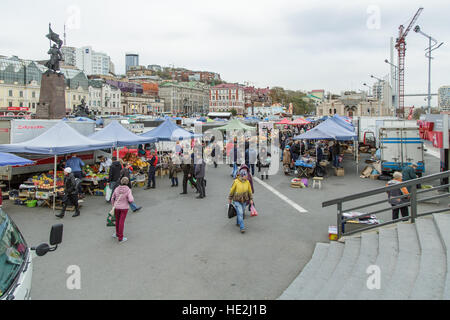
(401, 47)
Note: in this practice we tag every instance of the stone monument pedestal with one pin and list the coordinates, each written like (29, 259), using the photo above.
(52, 99)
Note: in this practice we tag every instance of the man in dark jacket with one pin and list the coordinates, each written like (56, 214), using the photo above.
(409, 173)
(114, 174)
(295, 150)
(70, 193)
(336, 152)
(153, 162)
(200, 168)
(188, 173)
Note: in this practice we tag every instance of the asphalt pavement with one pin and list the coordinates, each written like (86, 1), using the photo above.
(180, 247)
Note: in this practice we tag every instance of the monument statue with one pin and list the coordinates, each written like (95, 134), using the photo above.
(82, 110)
(52, 98)
(55, 51)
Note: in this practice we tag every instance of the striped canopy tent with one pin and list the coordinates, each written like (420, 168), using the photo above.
(300, 122)
(285, 121)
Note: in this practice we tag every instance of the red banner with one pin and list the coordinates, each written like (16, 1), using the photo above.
(437, 138)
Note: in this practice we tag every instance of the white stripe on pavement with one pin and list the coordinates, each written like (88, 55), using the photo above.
(281, 196)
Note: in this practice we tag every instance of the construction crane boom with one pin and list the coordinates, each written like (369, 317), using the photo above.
(401, 47)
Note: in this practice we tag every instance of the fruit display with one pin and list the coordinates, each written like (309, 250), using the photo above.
(134, 160)
(92, 172)
(46, 180)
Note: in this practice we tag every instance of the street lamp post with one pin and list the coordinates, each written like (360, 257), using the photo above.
(431, 47)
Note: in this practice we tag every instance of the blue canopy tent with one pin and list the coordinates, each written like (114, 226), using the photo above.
(333, 129)
(59, 139)
(120, 136)
(314, 134)
(168, 131)
(203, 119)
(341, 121)
(99, 122)
(7, 159)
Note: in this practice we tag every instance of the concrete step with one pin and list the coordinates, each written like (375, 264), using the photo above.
(325, 270)
(442, 221)
(407, 267)
(386, 261)
(294, 290)
(430, 280)
(358, 276)
(341, 272)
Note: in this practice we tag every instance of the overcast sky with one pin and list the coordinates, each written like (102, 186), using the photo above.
(332, 45)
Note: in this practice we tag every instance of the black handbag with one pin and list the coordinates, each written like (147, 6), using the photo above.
(231, 211)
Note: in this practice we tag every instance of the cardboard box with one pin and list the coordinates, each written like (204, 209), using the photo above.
(374, 176)
(339, 172)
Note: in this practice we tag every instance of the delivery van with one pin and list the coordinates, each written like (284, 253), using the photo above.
(401, 147)
(16, 258)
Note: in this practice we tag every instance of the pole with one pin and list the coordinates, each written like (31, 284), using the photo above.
(54, 184)
(429, 75)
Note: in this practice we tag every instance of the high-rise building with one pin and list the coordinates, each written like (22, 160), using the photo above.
(131, 60)
(92, 62)
(88, 60)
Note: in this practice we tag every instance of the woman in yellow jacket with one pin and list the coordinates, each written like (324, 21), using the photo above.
(240, 195)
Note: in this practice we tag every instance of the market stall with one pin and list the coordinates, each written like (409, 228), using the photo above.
(169, 132)
(58, 140)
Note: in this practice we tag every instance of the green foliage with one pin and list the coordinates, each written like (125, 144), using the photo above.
(234, 112)
(302, 105)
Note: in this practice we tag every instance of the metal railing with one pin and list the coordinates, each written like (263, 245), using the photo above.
(412, 199)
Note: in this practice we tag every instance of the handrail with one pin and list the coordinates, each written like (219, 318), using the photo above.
(409, 183)
(412, 202)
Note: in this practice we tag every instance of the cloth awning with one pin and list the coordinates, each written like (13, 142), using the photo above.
(168, 131)
(285, 121)
(300, 121)
(120, 136)
(7, 159)
(329, 128)
(59, 139)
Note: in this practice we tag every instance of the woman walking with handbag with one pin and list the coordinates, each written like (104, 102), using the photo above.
(240, 195)
(121, 199)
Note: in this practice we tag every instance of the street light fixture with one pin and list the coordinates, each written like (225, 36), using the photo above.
(431, 47)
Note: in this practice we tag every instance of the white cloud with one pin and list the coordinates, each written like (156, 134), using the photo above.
(296, 44)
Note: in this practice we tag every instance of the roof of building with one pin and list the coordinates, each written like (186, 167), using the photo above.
(227, 86)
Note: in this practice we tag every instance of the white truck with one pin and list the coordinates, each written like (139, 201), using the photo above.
(400, 147)
(16, 131)
(16, 258)
(369, 127)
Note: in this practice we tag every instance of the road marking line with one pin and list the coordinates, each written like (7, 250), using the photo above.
(281, 196)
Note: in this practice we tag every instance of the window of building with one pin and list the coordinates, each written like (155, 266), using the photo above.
(33, 105)
(10, 104)
(10, 93)
(21, 104)
(33, 94)
(74, 97)
(21, 94)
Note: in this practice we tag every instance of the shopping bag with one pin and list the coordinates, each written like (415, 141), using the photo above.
(110, 220)
(231, 211)
(108, 193)
(254, 212)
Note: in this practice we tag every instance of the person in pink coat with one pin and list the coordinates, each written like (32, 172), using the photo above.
(121, 199)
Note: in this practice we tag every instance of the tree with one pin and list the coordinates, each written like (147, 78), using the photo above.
(233, 112)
